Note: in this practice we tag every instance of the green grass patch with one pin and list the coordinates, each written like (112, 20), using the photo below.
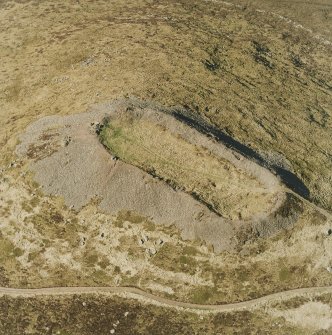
(172, 258)
(6, 249)
(284, 274)
(183, 165)
(203, 295)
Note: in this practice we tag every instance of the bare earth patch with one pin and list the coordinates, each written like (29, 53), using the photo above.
(76, 166)
(311, 315)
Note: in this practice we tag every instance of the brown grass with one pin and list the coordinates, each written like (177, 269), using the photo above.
(214, 180)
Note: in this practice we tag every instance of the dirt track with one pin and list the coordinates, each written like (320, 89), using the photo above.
(138, 293)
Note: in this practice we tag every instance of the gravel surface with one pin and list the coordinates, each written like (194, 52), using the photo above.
(68, 160)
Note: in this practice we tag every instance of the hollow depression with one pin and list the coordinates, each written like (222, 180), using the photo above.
(165, 170)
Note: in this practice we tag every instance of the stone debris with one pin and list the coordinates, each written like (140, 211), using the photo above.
(152, 251)
(141, 241)
(145, 238)
(66, 141)
(82, 169)
(159, 242)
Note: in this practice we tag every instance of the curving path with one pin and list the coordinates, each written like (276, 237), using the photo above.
(151, 298)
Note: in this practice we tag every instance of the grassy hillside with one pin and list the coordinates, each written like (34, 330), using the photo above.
(256, 76)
